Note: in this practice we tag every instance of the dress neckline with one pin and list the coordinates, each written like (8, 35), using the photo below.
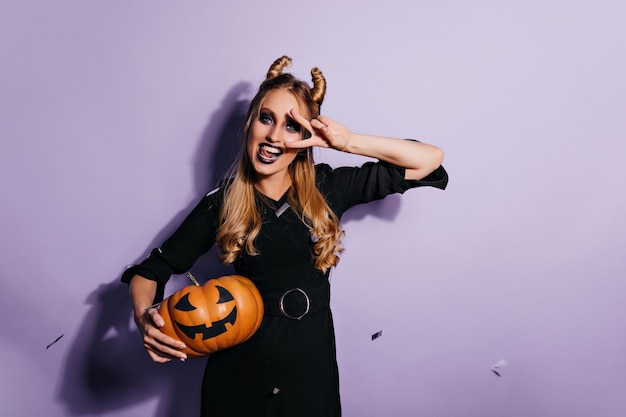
(281, 200)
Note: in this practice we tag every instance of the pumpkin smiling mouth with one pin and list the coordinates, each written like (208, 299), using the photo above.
(268, 154)
(217, 327)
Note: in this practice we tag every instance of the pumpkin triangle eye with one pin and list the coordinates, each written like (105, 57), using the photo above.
(225, 295)
(183, 304)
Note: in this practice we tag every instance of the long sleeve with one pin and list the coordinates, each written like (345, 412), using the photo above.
(345, 187)
(179, 252)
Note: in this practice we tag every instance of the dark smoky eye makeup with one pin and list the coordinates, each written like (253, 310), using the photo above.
(265, 117)
(293, 126)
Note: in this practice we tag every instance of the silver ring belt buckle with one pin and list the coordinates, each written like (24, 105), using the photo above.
(281, 304)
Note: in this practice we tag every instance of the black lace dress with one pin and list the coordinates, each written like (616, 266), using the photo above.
(288, 368)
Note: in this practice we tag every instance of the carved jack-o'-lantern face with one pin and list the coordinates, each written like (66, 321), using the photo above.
(217, 327)
(219, 314)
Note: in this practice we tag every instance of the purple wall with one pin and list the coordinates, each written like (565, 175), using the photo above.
(117, 116)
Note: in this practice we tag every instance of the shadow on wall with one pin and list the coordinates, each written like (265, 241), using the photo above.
(107, 367)
(386, 209)
(214, 157)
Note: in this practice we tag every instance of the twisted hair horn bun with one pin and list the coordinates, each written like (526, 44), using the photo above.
(319, 82)
(277, 67)
(319, 86)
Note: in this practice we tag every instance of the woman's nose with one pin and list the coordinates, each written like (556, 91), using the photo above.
(275, 135)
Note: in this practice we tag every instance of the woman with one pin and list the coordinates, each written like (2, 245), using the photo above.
(276, 219)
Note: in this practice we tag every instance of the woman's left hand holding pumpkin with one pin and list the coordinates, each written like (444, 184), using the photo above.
(160, 347)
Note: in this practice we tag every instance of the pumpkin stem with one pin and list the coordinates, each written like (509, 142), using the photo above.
(191, 277)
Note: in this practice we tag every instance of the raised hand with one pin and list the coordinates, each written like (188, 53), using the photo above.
(325, 133)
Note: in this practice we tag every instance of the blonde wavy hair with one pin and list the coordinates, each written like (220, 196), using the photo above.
(240, 220)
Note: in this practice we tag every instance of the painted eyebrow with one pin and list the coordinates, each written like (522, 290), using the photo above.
(267, 110)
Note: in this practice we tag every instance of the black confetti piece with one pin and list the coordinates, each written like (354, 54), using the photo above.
(496, 367)
(55, 340)
(377, 335)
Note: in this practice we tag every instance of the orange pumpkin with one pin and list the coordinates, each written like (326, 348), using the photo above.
(220, 314)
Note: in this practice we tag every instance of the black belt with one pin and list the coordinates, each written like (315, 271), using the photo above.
(297, 302)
